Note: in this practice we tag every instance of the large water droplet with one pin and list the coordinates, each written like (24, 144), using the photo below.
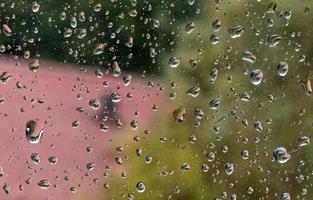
(30, 129)
(281, 155)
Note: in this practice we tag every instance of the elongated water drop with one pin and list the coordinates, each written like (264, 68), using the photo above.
(235, 31)
(44, 184)
(30, 128)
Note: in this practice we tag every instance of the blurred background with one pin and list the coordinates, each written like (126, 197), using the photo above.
(162, 98)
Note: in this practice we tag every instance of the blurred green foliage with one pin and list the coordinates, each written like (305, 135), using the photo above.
(281, 118)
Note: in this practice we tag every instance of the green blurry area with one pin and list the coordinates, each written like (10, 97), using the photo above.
(163, 177)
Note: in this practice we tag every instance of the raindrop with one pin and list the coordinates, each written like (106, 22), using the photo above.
(215, 103)
(282, 69)
(235, 31)
(127, 79)
(229, 168)
(52, 160)
(180, 114)
(116, 69)
(99, 48)
(6, 188)
(194, 91)
(285, 196)
(216, 25)
(94, 104)
(35, 7)
(140, 186)
(273, 40)
(303, 141)
(115, 97)
(33, 65)
(173, 62)
(281, 155)
(190, 26)
(213, 74)
(30, 128)
(35, 158)
(6, 30)
(90, 166)
(44, 184)
(256, 77)
(248, 56)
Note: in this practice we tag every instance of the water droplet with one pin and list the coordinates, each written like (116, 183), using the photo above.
(185, 166)
(173, 62)
(127, 79)
(244, 96)
(140, 186)
(285, 196)
(99, 48)
(115, 97)
(214, 39)
(30, 128)
(94, 104)
(282, 69)
(273, 40)
(53, 160)
(215, 103)
(90, 166)
(81, 33)
(44, 184)
(134, 124)
(281, 155)
(6, 188)
(213, 74)
(1, 171)
(306, 85)
(4, 78)
(33, 65)
(35, 158)
(194, 91)
(303, 141)
(68, 32)
(190, 26)
(7, 30)
(190, 2)
(235, 31)
(272, 7)
(35, 7)
(97, 7)
(244, 154)
(148, 159)
(210, 156)
(216, 25)
(116, 69)
(248, 56)
(229, 168)
(256, 77)
(180, 114)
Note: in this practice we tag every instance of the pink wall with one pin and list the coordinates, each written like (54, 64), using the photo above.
(56, 87)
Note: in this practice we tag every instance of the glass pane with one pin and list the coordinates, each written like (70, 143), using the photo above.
(156, 99)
